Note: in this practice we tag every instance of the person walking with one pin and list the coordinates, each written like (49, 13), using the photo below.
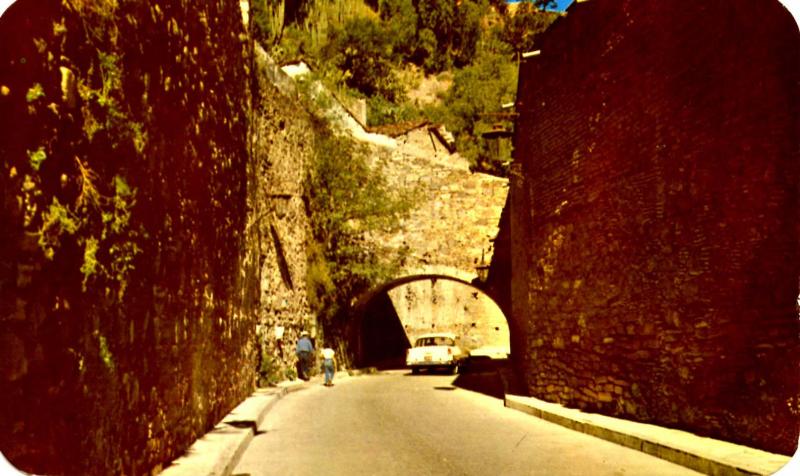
(305, 349)
(328, 365)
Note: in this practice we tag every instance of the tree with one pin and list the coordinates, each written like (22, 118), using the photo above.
(347, 199)
(400, 20)
(363, 52)
(521, 29)
(467, 32)
(455, 27)
(479, 88)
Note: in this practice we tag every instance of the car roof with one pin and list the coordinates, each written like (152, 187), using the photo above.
(437, 334)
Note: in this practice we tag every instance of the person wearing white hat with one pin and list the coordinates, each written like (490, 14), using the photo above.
(305, 349)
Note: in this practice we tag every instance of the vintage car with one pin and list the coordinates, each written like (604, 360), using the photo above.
(435, 351)
(490, 352)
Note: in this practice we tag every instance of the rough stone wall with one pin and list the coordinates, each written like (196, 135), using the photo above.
(449, 306)
(282, 148)
(450, 232)
(654, 226)
(129, 281)
(457, 216)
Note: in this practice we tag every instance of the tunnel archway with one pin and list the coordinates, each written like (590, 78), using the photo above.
(389, 317)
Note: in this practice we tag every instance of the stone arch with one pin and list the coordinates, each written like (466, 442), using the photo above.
(377, 324)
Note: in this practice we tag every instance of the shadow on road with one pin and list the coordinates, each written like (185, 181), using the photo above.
(395, 363)
(492, 377)
(481, 376)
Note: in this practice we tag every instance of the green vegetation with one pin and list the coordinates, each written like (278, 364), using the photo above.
(34, 92)
(71, 208)
(348, 201)
(36, 158)
(269, 370)
(494, 79)
(362, 50)
(376, 50)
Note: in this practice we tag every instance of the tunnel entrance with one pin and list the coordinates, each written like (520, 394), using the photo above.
(393, 315)
(384, 341)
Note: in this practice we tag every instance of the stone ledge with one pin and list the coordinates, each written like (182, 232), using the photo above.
(218, 452)
(214, 454)
(251, 412)
(702, 454)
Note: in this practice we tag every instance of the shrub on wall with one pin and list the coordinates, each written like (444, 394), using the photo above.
(347, 199)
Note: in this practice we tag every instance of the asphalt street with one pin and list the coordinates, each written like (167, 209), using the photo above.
(396, 423)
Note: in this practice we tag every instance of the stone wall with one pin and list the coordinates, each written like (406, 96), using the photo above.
(654, 222)
(282, 140)
(450, 232)
(152, 219)
(442, 305)
(458, 212)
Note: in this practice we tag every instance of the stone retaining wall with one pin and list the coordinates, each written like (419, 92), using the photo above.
(654, 222)
(151, 220)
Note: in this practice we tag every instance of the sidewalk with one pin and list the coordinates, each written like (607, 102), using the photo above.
(218, 452)
(705, 455)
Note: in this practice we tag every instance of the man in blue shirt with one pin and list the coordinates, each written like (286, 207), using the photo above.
(305, 350)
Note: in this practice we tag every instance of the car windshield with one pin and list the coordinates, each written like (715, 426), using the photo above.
(436, 340)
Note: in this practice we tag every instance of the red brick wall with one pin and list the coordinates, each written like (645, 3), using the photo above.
(657, 216)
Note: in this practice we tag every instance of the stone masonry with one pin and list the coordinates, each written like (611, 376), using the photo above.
(654, 216)
(450, 233)
(282, 148)
(456, 221)
(441, 305)
(158, 228)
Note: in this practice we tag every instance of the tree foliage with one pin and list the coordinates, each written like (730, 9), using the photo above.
(521, 29)
(348, 200)
(446, 32)
(478, 89)
(361, 50)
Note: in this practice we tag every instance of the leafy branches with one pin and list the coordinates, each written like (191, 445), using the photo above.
(348, 200)
(477, 89)
(362, 51)
(78, 206)
(521, 29)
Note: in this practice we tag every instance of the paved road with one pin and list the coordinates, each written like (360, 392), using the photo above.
(399, 424)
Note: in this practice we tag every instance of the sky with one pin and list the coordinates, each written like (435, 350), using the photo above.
(562, 4)
(792, 5)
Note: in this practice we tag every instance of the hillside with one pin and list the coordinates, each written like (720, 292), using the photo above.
(412, 59)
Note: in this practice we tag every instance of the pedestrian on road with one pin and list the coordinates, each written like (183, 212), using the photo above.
(305, 350)
(328, 365)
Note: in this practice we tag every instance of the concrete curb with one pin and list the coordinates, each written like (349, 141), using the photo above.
(218, 452)
(705, 455)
